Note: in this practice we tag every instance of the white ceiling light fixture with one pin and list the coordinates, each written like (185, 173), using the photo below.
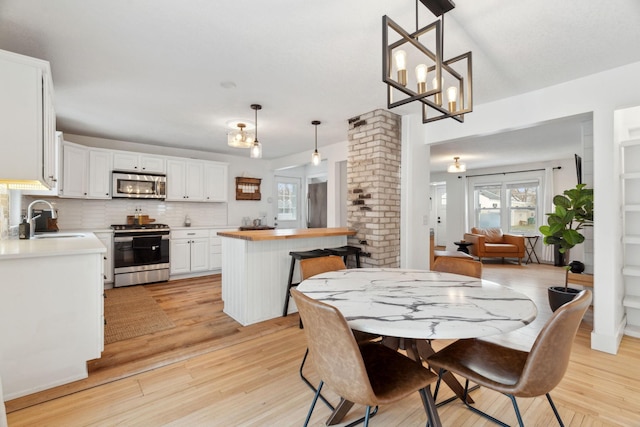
(456, 166)
(240, 138)
(315, 157)
(256, 147)
(434, 76)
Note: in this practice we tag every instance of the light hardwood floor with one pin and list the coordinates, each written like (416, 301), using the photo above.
(254, 381)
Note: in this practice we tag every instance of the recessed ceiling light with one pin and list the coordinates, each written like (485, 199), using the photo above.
(228, 85)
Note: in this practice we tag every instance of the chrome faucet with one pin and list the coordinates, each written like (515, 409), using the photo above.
(31, 218)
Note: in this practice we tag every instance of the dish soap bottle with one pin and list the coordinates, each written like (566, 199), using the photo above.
(24, 229)
(187, 221)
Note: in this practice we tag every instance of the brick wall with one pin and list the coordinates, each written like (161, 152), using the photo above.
(373, 182)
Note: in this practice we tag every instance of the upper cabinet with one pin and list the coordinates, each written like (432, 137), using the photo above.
(28, 122)
(86, 172)
(134, 162)
(196, 181)
(215, 182)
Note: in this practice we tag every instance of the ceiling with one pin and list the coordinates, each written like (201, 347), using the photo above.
(174, 73)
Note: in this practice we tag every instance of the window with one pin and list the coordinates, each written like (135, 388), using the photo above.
(488, 203)
(523, 207)
(512, 206)
(287, 201)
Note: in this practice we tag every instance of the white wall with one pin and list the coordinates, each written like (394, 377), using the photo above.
(601, 94)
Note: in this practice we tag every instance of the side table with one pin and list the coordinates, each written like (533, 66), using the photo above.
(463, 246)
(530, 248)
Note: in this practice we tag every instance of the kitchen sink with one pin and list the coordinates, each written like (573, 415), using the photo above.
(58, 236)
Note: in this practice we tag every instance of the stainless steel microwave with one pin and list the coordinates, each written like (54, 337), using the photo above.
(139, 186)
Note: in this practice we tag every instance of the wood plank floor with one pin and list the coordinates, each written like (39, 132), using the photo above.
(251, 379)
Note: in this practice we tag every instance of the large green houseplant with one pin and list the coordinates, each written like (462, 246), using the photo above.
(573, 212)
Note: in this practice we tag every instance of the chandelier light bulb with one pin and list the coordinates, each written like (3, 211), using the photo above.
(421, 77)
(438, 86)
(401, 65)
(452, 96)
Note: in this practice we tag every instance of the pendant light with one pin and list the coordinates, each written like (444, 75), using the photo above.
(256, 147)
(240, 138)
(315, 157)
(456, 166)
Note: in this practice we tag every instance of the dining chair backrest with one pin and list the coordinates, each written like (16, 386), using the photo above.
(313, 266)
(549, 356)
(334, 350)
(465, 267)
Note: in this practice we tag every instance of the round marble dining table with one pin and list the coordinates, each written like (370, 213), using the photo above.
(421, 304)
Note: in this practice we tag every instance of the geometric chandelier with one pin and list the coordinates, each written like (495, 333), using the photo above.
(443, 87)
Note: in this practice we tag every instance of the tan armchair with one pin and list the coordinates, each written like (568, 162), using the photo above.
(492, 243)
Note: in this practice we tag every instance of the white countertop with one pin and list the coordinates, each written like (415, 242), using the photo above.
(59, 246)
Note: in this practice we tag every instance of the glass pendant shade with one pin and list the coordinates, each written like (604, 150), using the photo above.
(256, 150)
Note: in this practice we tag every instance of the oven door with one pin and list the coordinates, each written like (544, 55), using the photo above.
(140, 250)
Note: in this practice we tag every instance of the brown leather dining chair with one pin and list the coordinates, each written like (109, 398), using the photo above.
(368, 374)
(311, 267)
(466, 267)
(517, 373)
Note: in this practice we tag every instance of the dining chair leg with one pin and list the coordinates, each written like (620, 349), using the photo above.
(555, 411)
(515, 407)
(311, 386)
(313, 404)
(370, 414)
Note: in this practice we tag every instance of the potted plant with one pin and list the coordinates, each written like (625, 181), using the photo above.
(573, 212)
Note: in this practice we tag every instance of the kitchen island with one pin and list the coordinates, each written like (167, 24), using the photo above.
(255, 268)
(51, 319)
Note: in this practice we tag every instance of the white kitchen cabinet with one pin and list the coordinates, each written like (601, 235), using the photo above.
(107, 240)
(215, 182)
(215, 251)
(75, 163)
(100, 162)
(189, 251)
(215, 248)
(28, 121)
(185, 180)
(136, 162)
(58, 306)
(86, 172)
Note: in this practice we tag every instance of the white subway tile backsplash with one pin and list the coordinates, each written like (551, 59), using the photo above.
(98, 214)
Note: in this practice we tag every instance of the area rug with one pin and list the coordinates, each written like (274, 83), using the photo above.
(131, 312)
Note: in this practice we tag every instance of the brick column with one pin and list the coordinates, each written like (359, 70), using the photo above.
(373, 182)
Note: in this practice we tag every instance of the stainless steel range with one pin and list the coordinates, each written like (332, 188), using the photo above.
(140, 254)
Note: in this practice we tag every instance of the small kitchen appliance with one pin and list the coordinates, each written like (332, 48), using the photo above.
(138, 186)
(140, 253)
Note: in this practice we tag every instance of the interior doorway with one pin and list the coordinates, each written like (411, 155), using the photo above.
(439, 199)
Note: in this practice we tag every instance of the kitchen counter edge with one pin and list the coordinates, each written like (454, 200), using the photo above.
(34, 248)
(289, 233)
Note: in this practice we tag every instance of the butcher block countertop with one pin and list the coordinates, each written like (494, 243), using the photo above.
(288, 233)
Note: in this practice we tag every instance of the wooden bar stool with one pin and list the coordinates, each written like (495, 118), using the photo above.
(315, 253)
(345, 251)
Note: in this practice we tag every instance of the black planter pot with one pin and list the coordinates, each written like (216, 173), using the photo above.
(559, 259)
(559, 296)
(576, 267)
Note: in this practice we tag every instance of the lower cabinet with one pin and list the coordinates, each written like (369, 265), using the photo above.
(189, 251)
(107, 240)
